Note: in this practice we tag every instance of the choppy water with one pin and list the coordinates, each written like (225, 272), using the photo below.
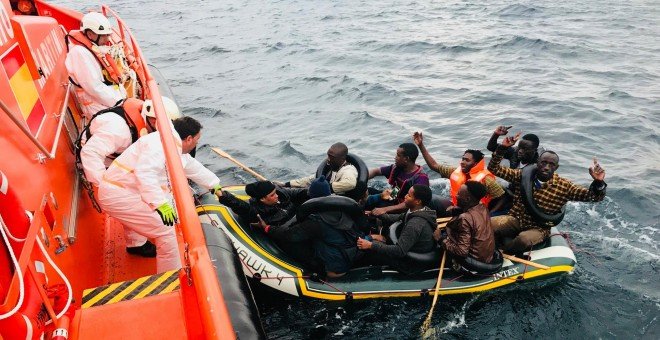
(276, 82)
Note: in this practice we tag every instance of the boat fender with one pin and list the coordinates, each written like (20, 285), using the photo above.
(235, 288)
(27, 320)
(431, 257)
(329, 203)
(471, 266)
(363, 175)
(527, 186)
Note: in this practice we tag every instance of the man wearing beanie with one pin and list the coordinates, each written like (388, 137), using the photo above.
(324, 238)
(274, 205)
(319, 188)
(469, 234)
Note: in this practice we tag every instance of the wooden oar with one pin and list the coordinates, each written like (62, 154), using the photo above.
(427, 322)
(529, 263)
(443, 219)
(241, 165)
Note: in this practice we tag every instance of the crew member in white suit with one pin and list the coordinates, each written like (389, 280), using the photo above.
(135, 188)
(88, 69)
(107, 135)
(110, 134)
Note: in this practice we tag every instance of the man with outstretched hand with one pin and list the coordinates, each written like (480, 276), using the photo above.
(135, 189)
(539, 198)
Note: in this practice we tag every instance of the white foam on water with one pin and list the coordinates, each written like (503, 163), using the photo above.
(458, 317)
(341, 331)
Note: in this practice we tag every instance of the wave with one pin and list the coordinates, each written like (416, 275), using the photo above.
(286, 149)
(214, 49)
(420, 47)
(518, 10)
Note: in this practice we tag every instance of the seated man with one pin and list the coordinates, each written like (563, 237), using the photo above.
(416, 234)
(524, 154)
(539, 198)
(401, 175)
(470, 233)
(274, 205)
(472, 167)
(341, 175)
(324, 237)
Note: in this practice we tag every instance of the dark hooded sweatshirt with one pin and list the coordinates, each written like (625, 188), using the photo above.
(416, 236)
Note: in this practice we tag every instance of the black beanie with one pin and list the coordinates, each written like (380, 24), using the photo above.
(259, 190)
(319, 188)
(476, 189)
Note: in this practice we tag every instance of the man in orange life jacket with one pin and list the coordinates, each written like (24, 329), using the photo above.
(108, 133)
(97, 84)
(106, 136)
(472, 167)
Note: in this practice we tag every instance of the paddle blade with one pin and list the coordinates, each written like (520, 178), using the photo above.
(221, 153)
(426, 330)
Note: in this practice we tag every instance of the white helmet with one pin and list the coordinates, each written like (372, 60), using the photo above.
(96, 22)
(171, 109)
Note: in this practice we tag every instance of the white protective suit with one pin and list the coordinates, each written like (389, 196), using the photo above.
(93, 94)
(136, 184)
(110, 135)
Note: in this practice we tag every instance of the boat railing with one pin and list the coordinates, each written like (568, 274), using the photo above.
(197, 262)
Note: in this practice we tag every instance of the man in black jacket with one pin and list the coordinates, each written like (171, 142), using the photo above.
(274, 205)
(322, 236)
(416, 234)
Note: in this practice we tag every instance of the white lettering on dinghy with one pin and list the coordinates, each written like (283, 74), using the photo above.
(506, 273)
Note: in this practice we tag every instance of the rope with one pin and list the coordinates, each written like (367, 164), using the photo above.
(574, 248)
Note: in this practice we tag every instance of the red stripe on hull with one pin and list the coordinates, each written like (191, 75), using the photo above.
(12, 61)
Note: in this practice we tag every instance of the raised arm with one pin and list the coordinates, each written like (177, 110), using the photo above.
(596, 191)
(494, 166)
(499, 131)
(418, 139)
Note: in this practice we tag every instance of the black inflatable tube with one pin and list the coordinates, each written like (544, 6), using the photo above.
(329, 203)
(425, 258)
(527, 184)
(362, 178)
(493, 267)
(235, 289)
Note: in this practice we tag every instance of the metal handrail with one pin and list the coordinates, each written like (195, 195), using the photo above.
(23, 127)
(65, 105)
(212, 308)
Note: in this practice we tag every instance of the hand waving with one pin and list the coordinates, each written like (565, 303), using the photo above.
(596, 171)
(502, 130)
(511, 141)
(418, 138)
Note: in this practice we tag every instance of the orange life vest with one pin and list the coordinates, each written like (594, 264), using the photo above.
(477, 173)
(112, 70)
(130, 109)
